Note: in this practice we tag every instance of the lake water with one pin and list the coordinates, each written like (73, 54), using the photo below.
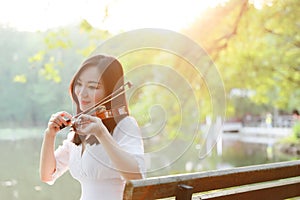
(19, 176)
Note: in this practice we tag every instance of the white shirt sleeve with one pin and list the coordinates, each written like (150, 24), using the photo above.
(62, 157)
(129, 137)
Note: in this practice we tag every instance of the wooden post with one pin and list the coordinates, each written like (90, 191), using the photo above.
(184, 192)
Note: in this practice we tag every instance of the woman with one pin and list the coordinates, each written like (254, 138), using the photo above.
(100, 154)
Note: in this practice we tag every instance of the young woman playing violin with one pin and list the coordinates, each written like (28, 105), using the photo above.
(105, 147)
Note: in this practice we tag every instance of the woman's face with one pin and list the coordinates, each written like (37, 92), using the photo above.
(89, 89)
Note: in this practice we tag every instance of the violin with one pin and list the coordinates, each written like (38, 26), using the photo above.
(99, 110)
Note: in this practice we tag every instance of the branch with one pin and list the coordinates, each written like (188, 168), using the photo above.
(286, 77)
(228, 36)
(271, 31)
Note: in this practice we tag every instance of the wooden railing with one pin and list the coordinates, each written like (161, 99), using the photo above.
(267, 182)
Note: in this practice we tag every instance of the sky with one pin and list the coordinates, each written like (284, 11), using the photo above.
(112, 15)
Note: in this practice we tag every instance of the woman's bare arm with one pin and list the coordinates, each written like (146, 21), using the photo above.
(47, 157)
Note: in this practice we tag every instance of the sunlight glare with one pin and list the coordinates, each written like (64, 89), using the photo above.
(122, 15)
(168, 14)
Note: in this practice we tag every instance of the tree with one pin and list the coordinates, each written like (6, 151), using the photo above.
(256, 49)
(36, 69)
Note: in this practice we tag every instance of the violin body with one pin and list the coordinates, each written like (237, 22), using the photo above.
(102, 113)
(99, 110)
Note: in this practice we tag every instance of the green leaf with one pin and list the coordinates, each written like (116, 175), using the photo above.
(39, 56)
(20, 78)
(86, 26)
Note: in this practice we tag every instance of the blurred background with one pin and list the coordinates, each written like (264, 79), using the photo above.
(253, 45)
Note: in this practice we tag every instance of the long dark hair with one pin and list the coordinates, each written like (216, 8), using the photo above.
(111, 74)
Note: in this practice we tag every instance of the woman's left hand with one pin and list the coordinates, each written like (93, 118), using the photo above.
(89, 125)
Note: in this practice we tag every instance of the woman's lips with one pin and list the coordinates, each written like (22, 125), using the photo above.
(84, 103)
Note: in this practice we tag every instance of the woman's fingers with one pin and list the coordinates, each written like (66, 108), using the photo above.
(66, 115)
(82, 122)
(87, 118)
(87, 124)
(53, 122)
(59, 119)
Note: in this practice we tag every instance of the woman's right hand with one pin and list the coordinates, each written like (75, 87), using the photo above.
(56, 121)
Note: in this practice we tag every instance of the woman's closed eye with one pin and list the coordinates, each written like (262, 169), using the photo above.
(93, 87)
(78, 84)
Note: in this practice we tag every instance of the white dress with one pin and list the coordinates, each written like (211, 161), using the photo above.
(93, 168)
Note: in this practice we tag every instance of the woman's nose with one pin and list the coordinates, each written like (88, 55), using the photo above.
(83, 92)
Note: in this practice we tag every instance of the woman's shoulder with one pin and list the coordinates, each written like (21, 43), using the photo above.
(128, 120)
(128, 126)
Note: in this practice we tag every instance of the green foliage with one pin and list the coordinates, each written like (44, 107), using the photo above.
(86, 26)
(255, 49)
(36, 69)
(20, 78)
(296, 130)
(49, 71)
(272, 71)
(58, 39)
(39, 56)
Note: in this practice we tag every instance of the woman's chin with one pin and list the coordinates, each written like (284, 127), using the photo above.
(84, 107)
